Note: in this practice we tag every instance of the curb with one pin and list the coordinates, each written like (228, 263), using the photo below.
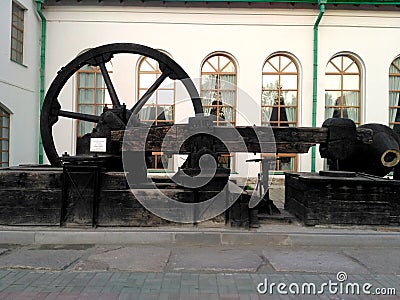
(112, 236)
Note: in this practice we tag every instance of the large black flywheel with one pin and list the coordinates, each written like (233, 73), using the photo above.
(98, 57)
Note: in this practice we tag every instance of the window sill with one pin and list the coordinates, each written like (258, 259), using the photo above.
(280, 172)
(159, 171)
(172, 171)
(18, 63)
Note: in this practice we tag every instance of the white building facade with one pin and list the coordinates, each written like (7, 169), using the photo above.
(19, 82)
(266, 49)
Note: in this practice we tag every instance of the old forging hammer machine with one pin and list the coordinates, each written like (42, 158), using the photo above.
(372, 148)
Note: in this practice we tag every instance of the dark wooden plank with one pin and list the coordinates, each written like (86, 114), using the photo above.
(30, 207)
(355, 218)
(19, 216)
(121, 208)
(255, 139)
(30, 179)
(113, 181)
(30, 198)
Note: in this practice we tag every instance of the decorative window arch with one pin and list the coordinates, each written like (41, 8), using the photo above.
(394, 95)
(4, 137)
(218, 87)
(159, 109)
(279, 99)
(218, 93)
(343, 88)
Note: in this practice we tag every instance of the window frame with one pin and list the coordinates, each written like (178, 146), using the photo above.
(219, 71)
(342, 72)
(394, 107)
(95, 71)
(157, 72)
(280, 71)
(6, 115)
(18, 17)
(277, 170)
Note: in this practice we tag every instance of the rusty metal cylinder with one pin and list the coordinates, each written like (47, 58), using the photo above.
(377, 158)
(386, 149)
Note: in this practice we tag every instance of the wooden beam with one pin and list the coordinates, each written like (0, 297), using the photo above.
(254, 139)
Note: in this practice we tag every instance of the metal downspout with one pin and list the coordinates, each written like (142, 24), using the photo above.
(315, 77)
(39, 4)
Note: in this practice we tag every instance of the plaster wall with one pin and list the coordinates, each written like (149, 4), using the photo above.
(19, 83)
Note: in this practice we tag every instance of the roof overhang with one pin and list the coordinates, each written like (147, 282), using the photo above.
(331, 4)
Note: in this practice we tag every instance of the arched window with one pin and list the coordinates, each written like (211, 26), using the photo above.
(91, 96)
(218, 94)
(159, 109)
(218, 88)
(343, 88)
(394, 95)
(279, 100)
(4, 137)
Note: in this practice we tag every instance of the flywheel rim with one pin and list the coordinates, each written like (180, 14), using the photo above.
(50, 105)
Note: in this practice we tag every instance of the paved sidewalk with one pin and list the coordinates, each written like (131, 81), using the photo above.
(24, 284)
(196, 272)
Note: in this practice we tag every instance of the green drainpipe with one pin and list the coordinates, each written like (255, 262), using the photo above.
(39, 4)
(315, 77)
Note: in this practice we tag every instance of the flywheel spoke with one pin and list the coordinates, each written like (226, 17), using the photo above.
(79, 116)
(137, 107)
(110, 86)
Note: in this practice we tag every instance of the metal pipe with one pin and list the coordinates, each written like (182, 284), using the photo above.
(39, 4)
(315, 77)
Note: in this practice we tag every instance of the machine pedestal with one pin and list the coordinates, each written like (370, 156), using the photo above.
(342, 198)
